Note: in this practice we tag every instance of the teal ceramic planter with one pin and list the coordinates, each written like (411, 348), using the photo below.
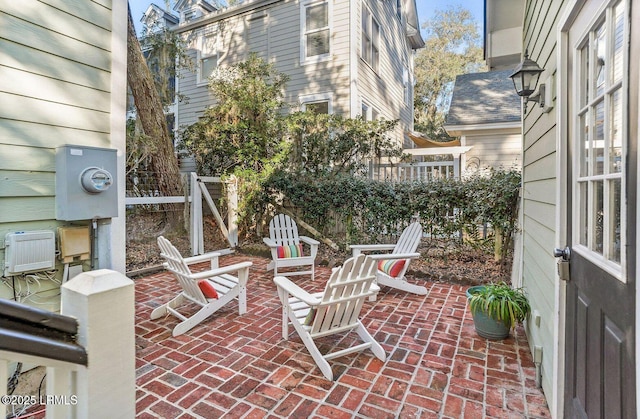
(486, 326)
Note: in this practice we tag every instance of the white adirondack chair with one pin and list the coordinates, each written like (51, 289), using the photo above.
(335, 310)
(403, 250)
(283, 237)
(226, 286)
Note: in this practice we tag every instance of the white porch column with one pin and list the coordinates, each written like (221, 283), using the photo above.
(103, 303)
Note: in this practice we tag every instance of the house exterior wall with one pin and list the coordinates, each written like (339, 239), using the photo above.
(274, 31)
(498, 150)
(61, 97)
(539, 196)
(384, 89)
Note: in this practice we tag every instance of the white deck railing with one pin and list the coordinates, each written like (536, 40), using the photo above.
(407, 172)
(102, 301)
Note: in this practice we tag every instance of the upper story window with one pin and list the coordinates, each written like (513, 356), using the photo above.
(190, 14)
(406, 93)
(208, 56)
(316, 31)
(370, 52)
(319, 103)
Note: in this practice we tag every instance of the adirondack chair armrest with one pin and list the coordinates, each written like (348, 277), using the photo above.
(201, 258)
(392, 256)
(220, 271)
(309, 240)
(269, 242)
(359, 248)
(294, 290)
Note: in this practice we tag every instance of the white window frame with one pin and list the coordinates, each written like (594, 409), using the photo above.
(368, 111)
(203, 54)
(316, 98)
(303, 31)
(406, 92)
(366, 33)
(586, 108)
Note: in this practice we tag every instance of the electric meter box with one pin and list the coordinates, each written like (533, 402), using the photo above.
(86, 183)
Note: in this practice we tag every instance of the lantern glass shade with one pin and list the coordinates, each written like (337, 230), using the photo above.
(525, 76)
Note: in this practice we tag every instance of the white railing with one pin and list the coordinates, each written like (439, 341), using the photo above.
(102, 301)
(422, 171)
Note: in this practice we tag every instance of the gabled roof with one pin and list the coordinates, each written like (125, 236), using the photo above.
(156, 14)
(205, 5)
(413, 24)
(484, 98)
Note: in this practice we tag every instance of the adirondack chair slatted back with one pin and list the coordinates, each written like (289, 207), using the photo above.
(174, 262)
(345, 293)
(283, 230)
(409, 239)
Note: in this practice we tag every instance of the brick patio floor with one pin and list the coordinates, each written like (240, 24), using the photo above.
(240, 367)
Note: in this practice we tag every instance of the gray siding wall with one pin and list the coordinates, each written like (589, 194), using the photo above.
(49, 99)
(274, 32)
(539, 193)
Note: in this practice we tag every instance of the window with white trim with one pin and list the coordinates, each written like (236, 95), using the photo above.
(369, 50)
(316, 31)
(600, 137)
(319, 103)
(368, 112)
(406, 93)
(207, 56)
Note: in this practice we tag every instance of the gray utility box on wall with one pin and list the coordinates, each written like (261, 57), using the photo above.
(86, 183)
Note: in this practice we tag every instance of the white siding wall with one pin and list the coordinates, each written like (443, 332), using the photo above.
(274, 32)
(539, 192)
(49, 99)
(281, 26)
(384, 89)
(493, 151)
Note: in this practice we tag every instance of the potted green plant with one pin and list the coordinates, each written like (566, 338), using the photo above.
(497, 308)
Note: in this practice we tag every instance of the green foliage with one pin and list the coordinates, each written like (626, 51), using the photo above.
(501, 302)
(332, 144)
(452, 47)
(372, 209)
(243, 130)
(165, 52)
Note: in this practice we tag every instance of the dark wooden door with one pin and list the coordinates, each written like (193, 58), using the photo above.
(600, 294)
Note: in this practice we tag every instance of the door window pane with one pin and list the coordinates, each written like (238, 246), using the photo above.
(615, 208)
(618, 43)
(584, 145)
(583, 222)
(598, 143)
(584, 76)
(615, 152)
(598, 212)
(599, 59)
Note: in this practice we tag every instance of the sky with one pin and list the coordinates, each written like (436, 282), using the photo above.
(425, 9)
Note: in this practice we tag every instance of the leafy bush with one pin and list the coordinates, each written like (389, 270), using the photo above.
(372, 209)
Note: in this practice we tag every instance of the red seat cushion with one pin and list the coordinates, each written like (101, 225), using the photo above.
(207, 289)
(391, 267)
(291, 251)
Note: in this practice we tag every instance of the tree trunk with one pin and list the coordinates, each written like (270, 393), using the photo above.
(154, 124)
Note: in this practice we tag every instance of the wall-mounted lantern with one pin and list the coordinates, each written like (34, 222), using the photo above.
(525, 80)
